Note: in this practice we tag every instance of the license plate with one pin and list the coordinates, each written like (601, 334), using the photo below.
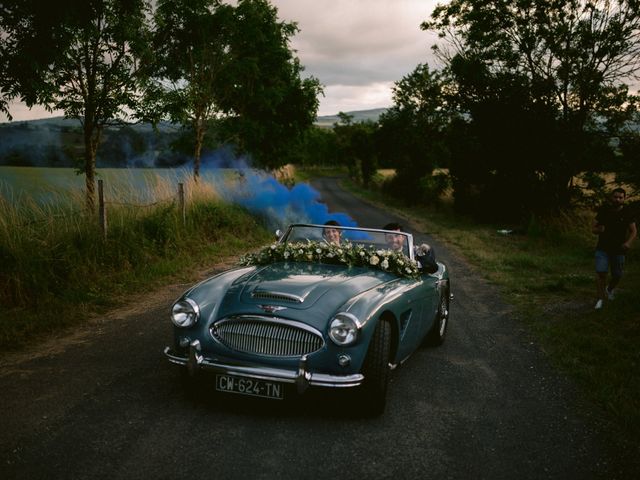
(249, 386)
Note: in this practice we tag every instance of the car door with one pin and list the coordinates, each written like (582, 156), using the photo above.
(416, 313)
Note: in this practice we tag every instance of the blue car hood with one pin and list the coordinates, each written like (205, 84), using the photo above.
(299, 287)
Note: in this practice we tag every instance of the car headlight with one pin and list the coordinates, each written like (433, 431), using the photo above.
(344, 329)
(185, 313)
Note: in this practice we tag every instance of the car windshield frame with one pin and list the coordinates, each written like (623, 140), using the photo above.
(373, 237)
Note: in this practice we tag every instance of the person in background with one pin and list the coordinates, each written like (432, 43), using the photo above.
(616, 229)
(423, 253)
(332, 235)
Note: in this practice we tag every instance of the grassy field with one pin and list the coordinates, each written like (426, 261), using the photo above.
(56, 269)
(135, 185)
(548, 275)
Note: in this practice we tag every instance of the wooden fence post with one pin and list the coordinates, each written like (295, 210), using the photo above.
(181, 203)
(102, 210)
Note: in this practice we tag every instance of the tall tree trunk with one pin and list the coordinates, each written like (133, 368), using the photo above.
(200, 130)
(91, 140)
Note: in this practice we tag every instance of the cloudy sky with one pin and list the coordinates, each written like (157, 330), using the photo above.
(356, 48)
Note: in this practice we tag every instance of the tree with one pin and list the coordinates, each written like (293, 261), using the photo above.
(268, 105)
(629, 164)
(191, 44)
(33, 35)
(356, 147)
(230, 68)
(94, 75)
(503, 147)
(317, 148)
(556, 70)
(411, 132)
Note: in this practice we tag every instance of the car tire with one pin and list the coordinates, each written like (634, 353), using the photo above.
(435, 336)
(376, 371)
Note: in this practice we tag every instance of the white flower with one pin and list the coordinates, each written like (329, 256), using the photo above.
(347, 254)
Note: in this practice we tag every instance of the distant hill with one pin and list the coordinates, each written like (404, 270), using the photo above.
(58, 142)
(358, 116)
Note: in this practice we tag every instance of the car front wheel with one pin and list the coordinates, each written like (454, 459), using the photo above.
(376, 371)
(436, 335)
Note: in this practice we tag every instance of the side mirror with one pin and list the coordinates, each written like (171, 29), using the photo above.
(429, 268)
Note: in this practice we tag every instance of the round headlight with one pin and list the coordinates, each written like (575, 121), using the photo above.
(343, 329)
(185, 313)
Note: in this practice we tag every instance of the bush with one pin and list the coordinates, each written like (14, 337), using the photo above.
(432, 187)
(427, 189)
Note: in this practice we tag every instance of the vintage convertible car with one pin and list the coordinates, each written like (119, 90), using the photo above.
(330, 307)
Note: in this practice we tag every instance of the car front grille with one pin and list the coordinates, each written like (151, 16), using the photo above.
(266, 336)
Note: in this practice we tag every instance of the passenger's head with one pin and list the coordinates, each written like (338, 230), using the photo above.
(332, 235)
(395, 242)
(393, 226)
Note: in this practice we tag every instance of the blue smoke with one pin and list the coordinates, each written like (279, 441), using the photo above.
(261, 194)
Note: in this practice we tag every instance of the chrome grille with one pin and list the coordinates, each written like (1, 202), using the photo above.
(267, 336)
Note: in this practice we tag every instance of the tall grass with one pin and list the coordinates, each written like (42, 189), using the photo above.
(56, 268)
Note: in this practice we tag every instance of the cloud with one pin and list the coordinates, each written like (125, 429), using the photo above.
(355, 47)
(20, 111)
(347, 98)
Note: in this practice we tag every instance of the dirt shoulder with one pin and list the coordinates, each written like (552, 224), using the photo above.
(131, 306)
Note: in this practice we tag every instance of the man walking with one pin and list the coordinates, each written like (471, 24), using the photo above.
(616, 229)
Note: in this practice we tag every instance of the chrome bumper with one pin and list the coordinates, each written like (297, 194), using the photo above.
(301, 378)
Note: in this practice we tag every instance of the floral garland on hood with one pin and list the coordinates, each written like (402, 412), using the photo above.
(350, 254)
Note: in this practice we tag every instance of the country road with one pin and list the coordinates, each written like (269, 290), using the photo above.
(104, 403)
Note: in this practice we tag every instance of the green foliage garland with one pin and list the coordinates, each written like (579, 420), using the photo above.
(350, 254)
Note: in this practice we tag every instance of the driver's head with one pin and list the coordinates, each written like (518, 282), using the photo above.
(332, 235)
(395, 242)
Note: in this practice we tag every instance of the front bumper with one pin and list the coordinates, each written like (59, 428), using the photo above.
(302, 378)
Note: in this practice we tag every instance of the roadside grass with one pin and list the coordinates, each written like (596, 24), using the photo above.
(56, 269)
(547, 274)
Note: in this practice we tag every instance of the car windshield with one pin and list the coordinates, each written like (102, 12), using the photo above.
(334, 234)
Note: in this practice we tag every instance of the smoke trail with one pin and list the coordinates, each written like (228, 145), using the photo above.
(260, 193)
